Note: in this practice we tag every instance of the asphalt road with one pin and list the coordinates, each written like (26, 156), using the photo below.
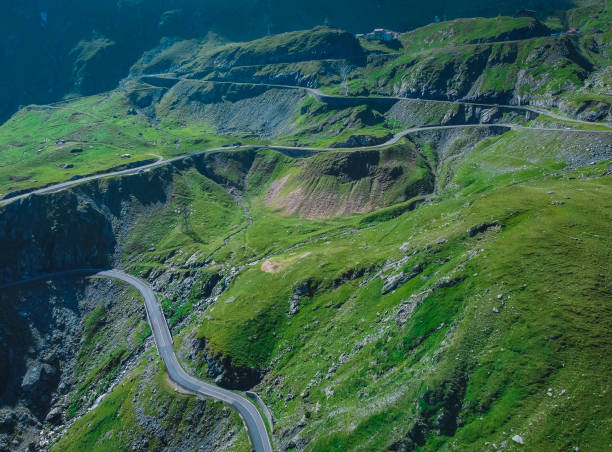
(317, 93)
(64, 185)
(252, 418)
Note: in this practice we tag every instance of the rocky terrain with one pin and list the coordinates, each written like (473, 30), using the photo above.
(194, 274)
(446, 289)
(65, 48)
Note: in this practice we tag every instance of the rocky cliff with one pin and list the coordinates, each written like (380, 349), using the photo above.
(69, 47)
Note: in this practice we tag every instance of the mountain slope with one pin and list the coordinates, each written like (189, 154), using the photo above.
(438, 322)
(51, 49)
(386, 273)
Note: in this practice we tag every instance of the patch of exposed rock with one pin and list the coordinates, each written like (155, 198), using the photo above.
(221, 368)
(393, 282)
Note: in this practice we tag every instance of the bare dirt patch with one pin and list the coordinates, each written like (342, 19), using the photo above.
(276, 265)
(270, 267)
(324, 204)
(274, 190)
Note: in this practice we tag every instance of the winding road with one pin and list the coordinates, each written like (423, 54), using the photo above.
(324, 97)
(318, 94)
(253, 420)
(393, 140)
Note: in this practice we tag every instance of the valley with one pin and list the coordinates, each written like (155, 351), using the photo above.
(335, 244)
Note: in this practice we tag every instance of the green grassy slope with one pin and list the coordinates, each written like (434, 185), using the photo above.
(319, 43)
(482, 71)
(471, 31)
(99, 361)
(195, 222)
(445, 293)
(466, 354)
(91, 134)
(144, 412)
(508, 298)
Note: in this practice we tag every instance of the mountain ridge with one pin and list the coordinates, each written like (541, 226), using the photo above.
(56, 49)
(395, 246)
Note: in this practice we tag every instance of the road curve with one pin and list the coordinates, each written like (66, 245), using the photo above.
(317, 94)
(252, 418)
(320, 95)
(62, 186)
(393, 140)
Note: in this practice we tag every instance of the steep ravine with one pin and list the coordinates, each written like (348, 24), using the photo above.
(40, 328)
(53, 359)
(47, 329)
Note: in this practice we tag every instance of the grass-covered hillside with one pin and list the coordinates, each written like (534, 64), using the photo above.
(455, 315)
(378, 240)
(500, 60)
(55, 49)
(460, 355)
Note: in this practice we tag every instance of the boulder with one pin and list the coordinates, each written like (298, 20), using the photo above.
(397, 280)
(36, 375)
(55, 416)
(7, 421)
(393, 282)
(479, 229)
